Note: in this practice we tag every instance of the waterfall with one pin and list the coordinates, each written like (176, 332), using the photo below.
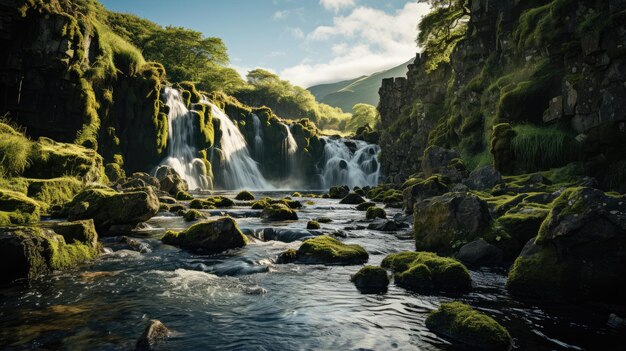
(289, 150)
(343, 166)
(240, 170)
(258, 138)
(181, 152)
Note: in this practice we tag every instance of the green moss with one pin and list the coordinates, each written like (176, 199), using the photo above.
(17, 208)
(51, 159)
(114, 172)
(288, 256)
(312, 225)
(375, 212)
(183, 195)
(244, 196)
(63, 255)
(260, 204)
(440, 273)
(539, 148)
(327, 250)
(462, 323)
(296, 194)
(279, 212)
(371, 279)
(53, 192)
(538, 274)
(212, 236)
(193, 215)
(365, 206)
(14, 151)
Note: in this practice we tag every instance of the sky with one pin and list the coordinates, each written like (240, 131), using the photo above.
(305, 41)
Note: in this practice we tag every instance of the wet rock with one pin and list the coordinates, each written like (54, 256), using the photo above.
(352, 199)
(279, 212)
(324, 220)
(338, 192)
(327, 250)
(212, 236)
(454, 217)
(616, 322)
(134, 245)
(433, 186)
(364, 206)
(288, 256)
(425, 271)
(170, 181)
(479, 253)
(448, 163)
(154, 334)
(284, 235)
(107, 207)
(312, 225)
(484, 178)
(375, 212)
(578, 252)
(167, 200)
(244, 196)
(476, 330)
(371, 279)
(193, 215)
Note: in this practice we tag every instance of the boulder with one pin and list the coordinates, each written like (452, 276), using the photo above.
(371, 279)
(286, 235)
(210, 236)
(244, 196)
(385, 225)
(27, 252)
(107, 207)
(479, 253)
(17, 208)
(327, 250)
(312, 225)
(579, 251)
(154, 334)
(483, 178)
(364, 206)
(114, 172)
(425, 271)
(279, 212)
(474, 329)
(352, 199)
(438, 160)
(375, 212)
(442, 221)
(338, 192)
(433, 186)
(193, 215)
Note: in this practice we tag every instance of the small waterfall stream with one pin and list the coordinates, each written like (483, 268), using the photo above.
(181, 152)
(240, 171)
(289, 150)
(258, 138)
(356, 167)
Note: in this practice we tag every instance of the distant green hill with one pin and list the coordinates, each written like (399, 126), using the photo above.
(348, 93)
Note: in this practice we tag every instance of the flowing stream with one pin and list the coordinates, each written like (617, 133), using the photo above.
(241, 300)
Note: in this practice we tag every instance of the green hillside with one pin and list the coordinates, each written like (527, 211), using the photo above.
(348, 93)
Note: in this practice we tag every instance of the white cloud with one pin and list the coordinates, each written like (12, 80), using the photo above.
(276, 54)
(363, 42)
(278, 15)
(295, 32)
(336, 5)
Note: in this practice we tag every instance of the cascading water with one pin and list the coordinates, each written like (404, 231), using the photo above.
(181, 153)
(289, 149)
(343, 166)
(240, 170)
(258, 138)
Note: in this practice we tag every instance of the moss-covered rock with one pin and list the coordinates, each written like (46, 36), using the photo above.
(108, 207)
(114, 172)
(443, 222)
(17, 208)
(578, 253)
(279, 212)
(338, 192)
(211, 236)
(421, 190)
(288, 256)
(211, 202)
(327, 250)
(50, 159)
(32, 251)
(461, 323)
(313, 225)
(371, 279)
(364, 206)
(425, 271)
(244, 196)
(54, 192)
(183, 196)
(193, 215)
(352, 199)
(375, 212)
(260, 204)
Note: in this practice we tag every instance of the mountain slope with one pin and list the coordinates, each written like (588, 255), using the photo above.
(348, 93)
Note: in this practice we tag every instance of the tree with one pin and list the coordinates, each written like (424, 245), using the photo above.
(442, 29)
(363, 114)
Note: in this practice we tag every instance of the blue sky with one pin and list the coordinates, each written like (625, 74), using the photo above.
(306, 41)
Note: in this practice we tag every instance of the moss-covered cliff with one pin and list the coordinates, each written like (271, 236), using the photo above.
(531, 86)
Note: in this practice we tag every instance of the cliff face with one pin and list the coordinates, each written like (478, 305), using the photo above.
(549, 74)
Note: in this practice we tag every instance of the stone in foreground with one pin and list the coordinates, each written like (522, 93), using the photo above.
(474, 329)
(371, 279)
(154, 334)
(210, 236)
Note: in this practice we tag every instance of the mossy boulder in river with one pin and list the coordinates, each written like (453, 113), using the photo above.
(442, 221)
(474, 329)
(108, 207)
(327, 250)
(244, 196)
(375, 212)
(371, 279)
(433, 186)
(425, 271)
(27, 252)
(211, 236)
(352, 199)
(338, 192)
(579, 251)
(279, 212)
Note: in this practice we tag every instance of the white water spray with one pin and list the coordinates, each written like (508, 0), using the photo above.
(240, 171)
(343, 166)
(258, 138)
(289, 149)
(181, 152)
